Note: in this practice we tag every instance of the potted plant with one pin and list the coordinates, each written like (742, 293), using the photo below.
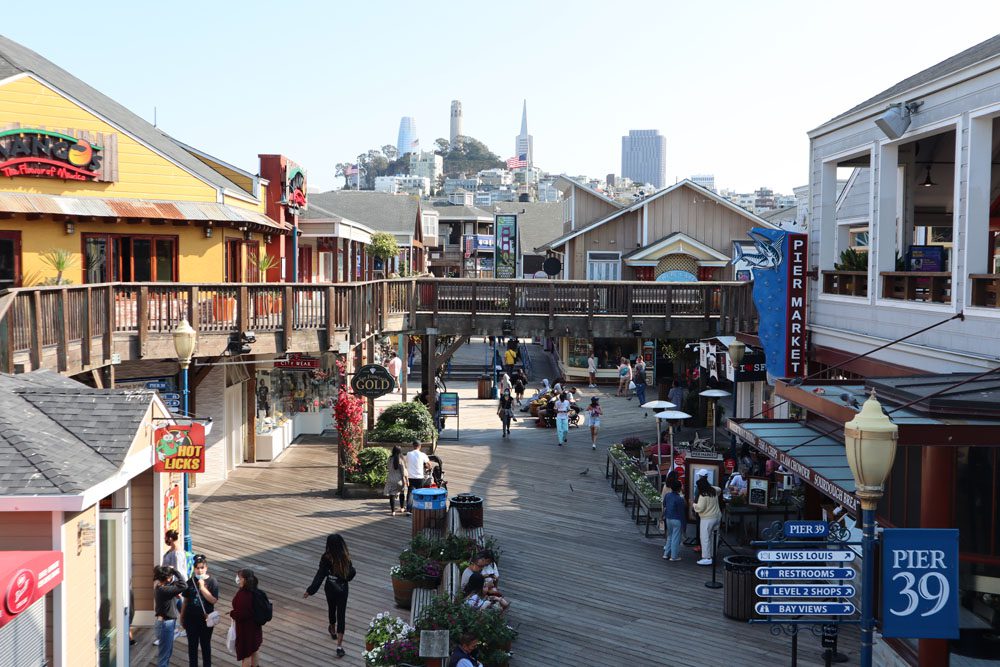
(383, 628)
(413, 571)
(266, 302)
(367, 477)
(455, 548)
(403, 423)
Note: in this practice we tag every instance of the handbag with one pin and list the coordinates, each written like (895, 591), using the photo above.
(212, 618)
(231, 639)
(334, 583)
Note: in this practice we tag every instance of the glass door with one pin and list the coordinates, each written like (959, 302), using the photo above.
(10, 259)
(113, 568)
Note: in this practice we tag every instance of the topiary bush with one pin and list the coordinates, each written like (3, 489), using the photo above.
(404, 422)
(371, 469)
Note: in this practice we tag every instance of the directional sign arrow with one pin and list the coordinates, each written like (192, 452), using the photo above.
(805, 608)
(805, 591)
(817, 572)
(806, 555)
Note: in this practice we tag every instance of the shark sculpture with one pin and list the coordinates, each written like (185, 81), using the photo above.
(768, 255)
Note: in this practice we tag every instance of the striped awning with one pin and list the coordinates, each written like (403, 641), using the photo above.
(102, 207)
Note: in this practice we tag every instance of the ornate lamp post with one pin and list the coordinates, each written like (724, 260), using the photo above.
(870, 439)
(185, 339)
(736, 352)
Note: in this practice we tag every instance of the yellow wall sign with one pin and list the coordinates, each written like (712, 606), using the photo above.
(47, 154)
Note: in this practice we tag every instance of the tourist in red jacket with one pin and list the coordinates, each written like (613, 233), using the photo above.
(248, 633)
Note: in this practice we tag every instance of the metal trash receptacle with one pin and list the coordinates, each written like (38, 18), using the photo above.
(430, 510)
(739, 587)
(484, 388)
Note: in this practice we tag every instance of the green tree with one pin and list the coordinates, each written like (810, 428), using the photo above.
(468, 156)
(390, 152)
(443, 146)
(383, 246)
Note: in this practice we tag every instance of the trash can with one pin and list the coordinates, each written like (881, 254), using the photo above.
(484, 388)
(739, 587)
(470, 510)
(430, 509)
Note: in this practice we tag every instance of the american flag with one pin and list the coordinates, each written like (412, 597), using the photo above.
(351, 170)
(517, 162)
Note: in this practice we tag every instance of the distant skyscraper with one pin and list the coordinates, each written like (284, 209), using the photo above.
(407, 141)
(456, 121)
(644, 157)
(524, 144)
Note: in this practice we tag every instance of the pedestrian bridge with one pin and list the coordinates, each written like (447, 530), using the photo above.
(73, 329)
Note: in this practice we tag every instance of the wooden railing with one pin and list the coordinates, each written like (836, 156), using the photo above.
(847, 283)
(34, 320)
(924, 286)
(985, 289)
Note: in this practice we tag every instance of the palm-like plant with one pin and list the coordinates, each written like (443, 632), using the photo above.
(263, 264)
(60, 261)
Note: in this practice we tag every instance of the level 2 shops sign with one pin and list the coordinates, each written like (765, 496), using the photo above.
(179, 448)
(48, 154)
(372, 381)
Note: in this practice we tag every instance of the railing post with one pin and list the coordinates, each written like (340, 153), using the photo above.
(668, 316)
(330, 298)
(87, 329)
(472, 306)
(552, 305)
(194, 312)
(142, 318)
(288, 316)
(243, 309)
(434, 314)
(512, 296)
(61, 321)
(414, 296)
(706, 294)
(628, 307)
(590, 308)
(111, 324)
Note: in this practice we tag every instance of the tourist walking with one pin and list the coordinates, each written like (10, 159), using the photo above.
(639, 377)
(676, 395)
(675, 520)
(167, 585)
(335, 570)
(249, 634)
(198, 616)
(562, 418)
(624, 377)
(417, 464)
(592, 369)
(504, 385)
(707, 509)
(505, 410)
(510, 358)
(594, 413)
(519, 382)
(396, 480)
(395, 366)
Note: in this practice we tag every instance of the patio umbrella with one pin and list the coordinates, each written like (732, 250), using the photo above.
(668, 415)
(658, 405)
(715, 395)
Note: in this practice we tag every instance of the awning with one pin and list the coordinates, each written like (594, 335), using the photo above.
(26, 576)
(819, 460)
(103, 207)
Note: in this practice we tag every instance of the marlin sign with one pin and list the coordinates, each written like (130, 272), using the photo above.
(779, 261)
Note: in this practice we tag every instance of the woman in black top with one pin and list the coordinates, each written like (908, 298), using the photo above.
(167, 585)
(335, 570)
(199, 601)
(505, 410)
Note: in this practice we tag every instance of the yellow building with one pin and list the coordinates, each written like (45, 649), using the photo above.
(88, 187)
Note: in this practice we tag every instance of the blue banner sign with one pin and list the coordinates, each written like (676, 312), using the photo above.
(920, 583)
(805, 608)
(805, 555)
(789, 573)
(805, 591)
(806, 529)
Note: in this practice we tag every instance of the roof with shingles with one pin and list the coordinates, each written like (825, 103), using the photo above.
(540, 223)
(380, 211)
(448, 211)
(61, 437)
(17, 59)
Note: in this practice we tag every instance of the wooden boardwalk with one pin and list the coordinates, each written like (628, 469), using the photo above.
(586, 587)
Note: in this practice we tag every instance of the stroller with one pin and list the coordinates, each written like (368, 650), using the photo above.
(437, 472)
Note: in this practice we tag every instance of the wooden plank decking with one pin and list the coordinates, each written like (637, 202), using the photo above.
(587, 588)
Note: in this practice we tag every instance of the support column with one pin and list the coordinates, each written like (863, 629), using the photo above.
(428, 363)
(937, 510)
(370, 344)
(346, 254)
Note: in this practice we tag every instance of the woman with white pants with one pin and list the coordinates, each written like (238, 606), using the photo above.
(707, 509)
(562, 418)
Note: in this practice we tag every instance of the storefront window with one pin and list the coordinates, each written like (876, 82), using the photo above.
(10, 259)
(609, 351)
(305, 385)
(112, 258)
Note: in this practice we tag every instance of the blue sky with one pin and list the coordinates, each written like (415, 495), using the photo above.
(734, 86)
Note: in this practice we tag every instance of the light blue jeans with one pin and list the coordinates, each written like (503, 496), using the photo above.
(166, 637)
(562, 428)
(672, 547)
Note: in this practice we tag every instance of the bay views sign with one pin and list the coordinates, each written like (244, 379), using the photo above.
(807, 474)
(48, 154)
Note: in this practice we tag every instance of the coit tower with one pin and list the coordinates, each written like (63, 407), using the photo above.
(456, 121)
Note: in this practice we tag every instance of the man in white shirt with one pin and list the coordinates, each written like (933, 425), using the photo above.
(592, 370)
(416, 465)
(395, 368)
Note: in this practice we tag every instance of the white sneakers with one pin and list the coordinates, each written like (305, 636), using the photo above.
(705, 561)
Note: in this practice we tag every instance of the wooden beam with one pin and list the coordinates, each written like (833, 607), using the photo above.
(157, 221)
(288, 317)
(6, 215)
(142, 318)
(33, 216)
(134, 221)
(85, 339)
(95, 373)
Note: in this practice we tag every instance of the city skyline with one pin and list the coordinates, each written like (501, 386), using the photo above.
(746, 135)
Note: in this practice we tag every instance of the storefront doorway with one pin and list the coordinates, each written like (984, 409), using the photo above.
(10, 259)
(114, 566)
(235, 421)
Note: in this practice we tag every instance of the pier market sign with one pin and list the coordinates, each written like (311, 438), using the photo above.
(48, 154)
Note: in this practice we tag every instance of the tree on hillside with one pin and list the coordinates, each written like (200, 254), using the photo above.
(443, 146)
(467, 156)
(390, 152)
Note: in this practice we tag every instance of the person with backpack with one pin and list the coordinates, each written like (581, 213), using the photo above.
(335, 570)
(251, 610)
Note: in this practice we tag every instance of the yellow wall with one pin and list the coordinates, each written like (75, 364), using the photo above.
(81, 590)
(142, 174)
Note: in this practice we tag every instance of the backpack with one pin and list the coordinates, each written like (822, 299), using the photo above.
(263, 610)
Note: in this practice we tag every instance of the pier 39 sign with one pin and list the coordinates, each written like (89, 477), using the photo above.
(372, 381)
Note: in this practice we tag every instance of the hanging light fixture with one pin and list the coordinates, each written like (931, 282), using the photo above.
(928, 183)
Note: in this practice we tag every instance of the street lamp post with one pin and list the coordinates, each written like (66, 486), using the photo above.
(736, 352)
(870, 439)
(185, 339)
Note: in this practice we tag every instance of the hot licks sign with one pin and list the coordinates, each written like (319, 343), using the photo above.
(48, 154)
(179, 448)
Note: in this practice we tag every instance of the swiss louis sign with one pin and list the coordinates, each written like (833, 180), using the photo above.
(920, 583)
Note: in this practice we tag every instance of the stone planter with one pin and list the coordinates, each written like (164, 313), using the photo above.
(426, 447)
(353, 490)
(402, 592)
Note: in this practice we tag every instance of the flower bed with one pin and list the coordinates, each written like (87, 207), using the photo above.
(631, 468)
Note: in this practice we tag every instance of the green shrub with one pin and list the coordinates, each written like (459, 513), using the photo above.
(371, 469)
(403, 423)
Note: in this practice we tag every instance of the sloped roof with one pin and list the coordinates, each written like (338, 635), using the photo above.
(380, 211)
(16, 59)
(61, 437)
(540, 223)
(777, 214)
(976, 54)
(448, 211)
(569, 180)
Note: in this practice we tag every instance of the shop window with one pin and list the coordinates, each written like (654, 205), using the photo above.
(603, 266)
(234, 260)
(115, 258)
(609, 351)
(706, 273)
(857, 238)
(976, 505)
(305, 264)
(643, 273)
(252, 273)
(10, 259)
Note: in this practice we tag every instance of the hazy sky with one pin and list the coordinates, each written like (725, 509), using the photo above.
(733, 85)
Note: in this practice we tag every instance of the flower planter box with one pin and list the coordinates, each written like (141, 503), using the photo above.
(402, 592)
(358, 491)
(426, 447)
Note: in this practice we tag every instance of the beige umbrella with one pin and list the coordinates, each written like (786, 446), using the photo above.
(668, 415)
(658, 405)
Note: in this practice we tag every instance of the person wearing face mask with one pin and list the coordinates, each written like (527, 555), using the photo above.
(167, 585)
(249, 635)
(199, 603)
